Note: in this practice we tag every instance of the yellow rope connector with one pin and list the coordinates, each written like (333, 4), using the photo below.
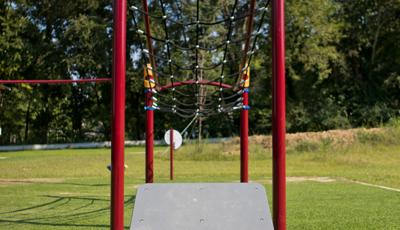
(246, 77)
(149, 77)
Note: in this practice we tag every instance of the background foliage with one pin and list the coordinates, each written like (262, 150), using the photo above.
(343, 70)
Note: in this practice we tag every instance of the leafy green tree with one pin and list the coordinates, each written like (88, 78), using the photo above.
(371, 48)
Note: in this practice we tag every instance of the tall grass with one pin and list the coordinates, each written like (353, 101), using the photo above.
(260, 146)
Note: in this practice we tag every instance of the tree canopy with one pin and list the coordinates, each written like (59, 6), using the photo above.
(343, 69)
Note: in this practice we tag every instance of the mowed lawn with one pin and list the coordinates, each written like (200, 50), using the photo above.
(69, 189)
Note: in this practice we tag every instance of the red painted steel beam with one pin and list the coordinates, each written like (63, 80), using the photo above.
(52, 82)
(279, 114)
(244, 140)
(149, 169)
(171, 154)
(118, 118)
(244, 113)
(192, 82)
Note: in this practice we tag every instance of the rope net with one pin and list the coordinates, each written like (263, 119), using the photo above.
(196, 56)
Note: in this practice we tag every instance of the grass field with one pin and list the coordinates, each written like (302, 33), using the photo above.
(69, 189)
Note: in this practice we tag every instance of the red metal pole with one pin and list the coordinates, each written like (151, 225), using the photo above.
(149, 137)
(149, 103)
(58, 81)
(118, 118)
(244, 113)
(171, 154)
(279, 115)
(149, 140)
(244, 139)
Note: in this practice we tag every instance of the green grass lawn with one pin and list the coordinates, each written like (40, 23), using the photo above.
(69, 189)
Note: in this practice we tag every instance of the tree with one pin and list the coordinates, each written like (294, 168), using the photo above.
(371, 47)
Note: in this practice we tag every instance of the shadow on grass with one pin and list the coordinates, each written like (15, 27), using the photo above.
(86, 185)
(64, 211)
(54, 224)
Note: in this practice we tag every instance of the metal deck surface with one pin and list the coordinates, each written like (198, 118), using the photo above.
(203, 206)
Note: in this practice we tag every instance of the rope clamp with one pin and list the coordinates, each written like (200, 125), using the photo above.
(151, 108)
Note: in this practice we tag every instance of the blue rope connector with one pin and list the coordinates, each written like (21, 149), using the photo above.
(246, 90)
(246, 107)
(152, 90)
(150, 108)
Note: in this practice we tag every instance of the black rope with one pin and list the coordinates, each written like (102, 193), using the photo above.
(192, 67)
(228, 38)
(168, 49)
(197, 47)
(213, 103)
(258, 31)
(181, 23)
(197, 42)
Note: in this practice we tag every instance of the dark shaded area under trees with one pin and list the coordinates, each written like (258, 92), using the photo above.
(343, 71)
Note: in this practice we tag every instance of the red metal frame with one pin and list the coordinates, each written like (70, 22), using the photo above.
(244, 113)
(171, 154)
(118, 118)
(149, 102)
(244, 140)
(279, 114)
(149, 170)
(279, 106)
(60, 81)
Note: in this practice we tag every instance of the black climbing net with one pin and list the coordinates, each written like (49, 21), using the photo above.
(198, 52)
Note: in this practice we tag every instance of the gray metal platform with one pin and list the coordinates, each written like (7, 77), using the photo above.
(204, 206)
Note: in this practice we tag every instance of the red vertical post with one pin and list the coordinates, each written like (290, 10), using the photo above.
(149, 137)
(279, 114)
(171, 154)
(244, 138)
(149, 103)
(244, 114)
(118, 118)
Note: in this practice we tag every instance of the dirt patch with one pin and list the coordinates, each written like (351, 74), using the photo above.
(31, 181)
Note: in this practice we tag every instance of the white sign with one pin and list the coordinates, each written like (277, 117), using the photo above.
(177, 138)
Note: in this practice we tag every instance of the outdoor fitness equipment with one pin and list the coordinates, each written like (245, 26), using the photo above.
(244, 194)
(197, 206)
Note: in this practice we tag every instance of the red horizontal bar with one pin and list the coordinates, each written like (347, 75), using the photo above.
(192, 82)
(79, 81)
